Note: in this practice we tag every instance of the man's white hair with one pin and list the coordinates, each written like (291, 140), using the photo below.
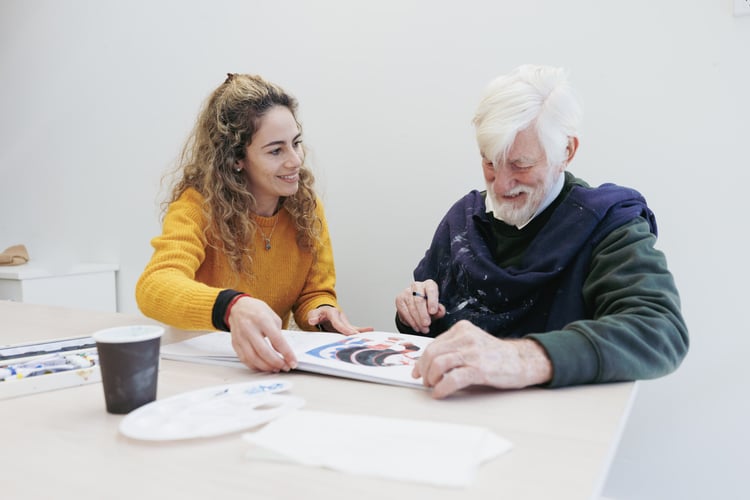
(538, 96)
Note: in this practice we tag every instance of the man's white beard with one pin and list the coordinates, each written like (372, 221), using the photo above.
(537, 200)
(510, 214)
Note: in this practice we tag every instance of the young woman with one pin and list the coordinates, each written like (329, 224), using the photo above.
(245, 242)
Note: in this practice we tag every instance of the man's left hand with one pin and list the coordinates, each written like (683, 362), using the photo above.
(466, 355)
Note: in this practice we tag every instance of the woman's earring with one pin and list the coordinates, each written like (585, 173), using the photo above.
(238, 169)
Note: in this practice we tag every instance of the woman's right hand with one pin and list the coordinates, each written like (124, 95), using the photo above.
(257, 337)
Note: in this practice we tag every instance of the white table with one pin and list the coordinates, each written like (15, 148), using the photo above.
(64, 445)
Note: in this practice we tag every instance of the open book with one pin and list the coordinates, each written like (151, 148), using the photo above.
(383, 357)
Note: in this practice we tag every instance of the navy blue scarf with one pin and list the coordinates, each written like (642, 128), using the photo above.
(544, 292)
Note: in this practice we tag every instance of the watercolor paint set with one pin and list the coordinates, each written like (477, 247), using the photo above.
(46, 366)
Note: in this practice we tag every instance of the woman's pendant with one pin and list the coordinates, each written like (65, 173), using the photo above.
(268, 243)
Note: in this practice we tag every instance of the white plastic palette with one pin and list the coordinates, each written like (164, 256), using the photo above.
(211, 411)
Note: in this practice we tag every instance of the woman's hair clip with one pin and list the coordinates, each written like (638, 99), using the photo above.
(230, 76)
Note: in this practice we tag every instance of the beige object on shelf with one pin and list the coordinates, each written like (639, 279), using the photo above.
(14, 256)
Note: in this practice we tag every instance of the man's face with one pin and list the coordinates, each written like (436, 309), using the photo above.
(520, 184)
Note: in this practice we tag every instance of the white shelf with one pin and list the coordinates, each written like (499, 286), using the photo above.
(89, 286)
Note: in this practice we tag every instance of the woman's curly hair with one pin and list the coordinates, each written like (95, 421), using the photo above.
(225, 127)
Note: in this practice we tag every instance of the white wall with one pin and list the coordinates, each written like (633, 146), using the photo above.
(96, 98)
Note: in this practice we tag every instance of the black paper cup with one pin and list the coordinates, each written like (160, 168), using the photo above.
(129, 363)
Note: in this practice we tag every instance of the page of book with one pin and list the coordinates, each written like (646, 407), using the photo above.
(382, 357)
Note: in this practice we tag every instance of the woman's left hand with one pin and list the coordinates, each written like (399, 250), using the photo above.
(330, 319)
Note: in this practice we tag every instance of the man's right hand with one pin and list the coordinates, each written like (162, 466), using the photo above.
(251, 321)
(418, 305)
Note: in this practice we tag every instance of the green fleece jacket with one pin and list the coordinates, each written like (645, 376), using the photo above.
(583, 279)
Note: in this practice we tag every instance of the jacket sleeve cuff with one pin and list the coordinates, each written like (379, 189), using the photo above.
(574, 358)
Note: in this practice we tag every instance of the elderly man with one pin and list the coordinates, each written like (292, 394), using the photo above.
(541, 279)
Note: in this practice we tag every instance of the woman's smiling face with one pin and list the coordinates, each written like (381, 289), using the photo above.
(273, 159)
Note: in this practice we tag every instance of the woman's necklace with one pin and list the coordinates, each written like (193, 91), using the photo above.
(267, 239)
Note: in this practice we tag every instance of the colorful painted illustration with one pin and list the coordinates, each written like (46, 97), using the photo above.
(392, 351)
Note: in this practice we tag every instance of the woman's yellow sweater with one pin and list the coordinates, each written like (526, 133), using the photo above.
(181, 283)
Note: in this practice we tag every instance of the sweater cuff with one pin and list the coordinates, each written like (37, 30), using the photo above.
(574, 359)
(219, 311)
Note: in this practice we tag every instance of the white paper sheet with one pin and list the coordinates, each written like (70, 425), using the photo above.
(420, 451)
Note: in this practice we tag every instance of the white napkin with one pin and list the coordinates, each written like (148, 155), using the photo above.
(408, 450)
